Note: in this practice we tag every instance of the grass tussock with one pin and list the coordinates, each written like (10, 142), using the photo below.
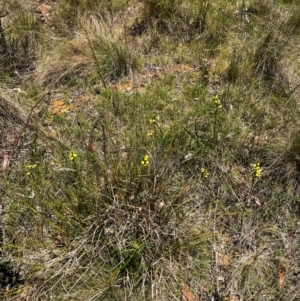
(21, 39)
(149, 151)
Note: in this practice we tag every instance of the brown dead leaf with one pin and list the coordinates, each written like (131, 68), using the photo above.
(44, 9)
(281, 270)
(5, 162)
(52, 134)
(59, 106)
(223, 260)
(187, 294)
(260, 139)
(292, 234)
(256, 200)
(91, 147)
(58, 240)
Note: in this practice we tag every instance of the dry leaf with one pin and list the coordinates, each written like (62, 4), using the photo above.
(187, 294)
(5, 162)
(44, 9)
(223, 261)
(91, 147)
(281, 270)
(291, 234)
(58, 240)
(59, 106)
(256, 200)
(52, 134)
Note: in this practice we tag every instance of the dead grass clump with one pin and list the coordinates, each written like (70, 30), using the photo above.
(66, 63)
(67, 18)
(94, 55)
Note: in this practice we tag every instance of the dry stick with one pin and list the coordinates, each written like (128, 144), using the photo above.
(100, 121)
(2, 232)
(293, 90)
